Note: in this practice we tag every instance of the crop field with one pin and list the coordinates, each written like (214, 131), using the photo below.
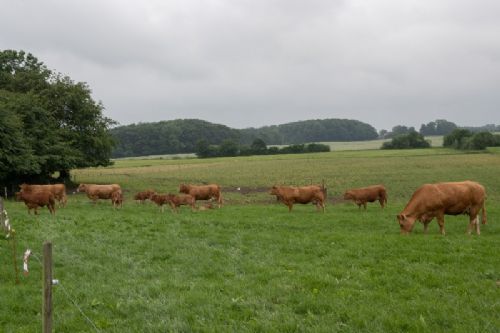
(253, 267)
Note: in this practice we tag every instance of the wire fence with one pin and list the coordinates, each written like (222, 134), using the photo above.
(9, 232)
(68, 296)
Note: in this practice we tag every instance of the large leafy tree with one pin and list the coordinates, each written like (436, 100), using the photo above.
(48, 122)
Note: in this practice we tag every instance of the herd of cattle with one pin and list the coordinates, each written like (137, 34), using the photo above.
(429, 201)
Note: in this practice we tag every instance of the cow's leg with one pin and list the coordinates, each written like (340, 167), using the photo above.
(381, 200)
(364, 205)
(290, 206)
(473, 222)
(440, 219)
(426, 226)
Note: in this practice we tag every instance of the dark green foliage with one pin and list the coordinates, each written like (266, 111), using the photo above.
(457, 139)
(48, 122)
(465, 139)
(259, 147)
(311, 131)
(407, 141)
(182, 135)
(169, 137)
(399, 130)
(481, 140)
(438, 127)
(228, 148)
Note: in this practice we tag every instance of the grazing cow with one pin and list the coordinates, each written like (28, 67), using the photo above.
(437, 200)
(117, 199)
(58, 190)
(367, 194)
(36, 199)
(203, 192)
(179, 200)
(95, 192)
(303, 195)
(160, 200)
(144, 195)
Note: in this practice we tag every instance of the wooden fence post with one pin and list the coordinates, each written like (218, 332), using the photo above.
(47, 288)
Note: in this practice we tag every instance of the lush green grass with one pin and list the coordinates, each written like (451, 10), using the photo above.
(253, 267)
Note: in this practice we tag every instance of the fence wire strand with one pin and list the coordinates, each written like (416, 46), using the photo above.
(71, 299)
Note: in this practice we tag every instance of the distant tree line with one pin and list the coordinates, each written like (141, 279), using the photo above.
(318, 130)
(459, 138)
(258, 147)
(465, 139)
(409, 140)
(168, 137)
(183, 135)
(437, 127)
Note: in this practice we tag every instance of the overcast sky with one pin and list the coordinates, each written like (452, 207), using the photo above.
(249, 63)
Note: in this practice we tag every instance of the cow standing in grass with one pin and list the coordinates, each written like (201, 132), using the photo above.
(36, 199)
(290, 195)
(437, 200)
(95, 192)
(159, 200)
(176, 201)
(203, 192)
(367, 194)
(58, 190)
(144, 195)
(117, 199)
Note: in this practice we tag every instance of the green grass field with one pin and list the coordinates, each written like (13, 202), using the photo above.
(253, 267)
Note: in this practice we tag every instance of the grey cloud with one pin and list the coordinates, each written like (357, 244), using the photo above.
(251, 63)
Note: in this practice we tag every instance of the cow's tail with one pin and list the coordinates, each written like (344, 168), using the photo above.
(483, 215)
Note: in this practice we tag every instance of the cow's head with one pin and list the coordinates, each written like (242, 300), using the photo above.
(405, 223)
(348, 195)
(81, 188)
(274, 190)
(183, 188)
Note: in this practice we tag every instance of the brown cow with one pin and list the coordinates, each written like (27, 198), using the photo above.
(36, 199)
(117, 199)
(437, 200)
(58, 190)
(95, 192)
(303, 195)
(179, 200)
(203, 192)
(144, 195)
(367, 194)
(160, 200)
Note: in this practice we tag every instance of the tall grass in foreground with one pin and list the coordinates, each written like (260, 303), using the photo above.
(252, 266)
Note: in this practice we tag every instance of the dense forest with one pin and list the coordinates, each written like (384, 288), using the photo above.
(168, 137)
(183, 135)
(49, 124)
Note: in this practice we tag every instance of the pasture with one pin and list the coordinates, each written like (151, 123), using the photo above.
(253, 267)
